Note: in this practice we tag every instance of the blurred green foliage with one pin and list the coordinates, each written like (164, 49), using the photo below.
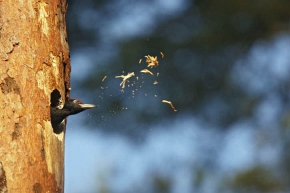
(201, 46)
(161, 184)
(257, 179)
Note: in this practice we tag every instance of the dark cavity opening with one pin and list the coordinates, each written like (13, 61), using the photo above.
(55, 98)
(55, 103)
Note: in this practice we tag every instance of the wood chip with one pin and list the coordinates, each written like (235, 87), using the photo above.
(147, 71)
(140, 61)
(104, 78)
(155, 82)
(152, 61)
(171, 105)
(125, 78)
(162, 55)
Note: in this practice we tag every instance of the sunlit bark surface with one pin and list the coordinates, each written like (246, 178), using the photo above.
(34, 62)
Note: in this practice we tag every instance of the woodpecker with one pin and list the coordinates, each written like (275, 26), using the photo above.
(71, 107)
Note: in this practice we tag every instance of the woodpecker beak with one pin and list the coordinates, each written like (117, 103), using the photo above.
(87, 106)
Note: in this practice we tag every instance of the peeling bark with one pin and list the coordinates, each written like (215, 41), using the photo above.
(34, 62)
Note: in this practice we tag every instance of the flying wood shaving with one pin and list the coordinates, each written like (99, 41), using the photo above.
(171, 105)
(140, 61)
(155, 82)
(147, 71)
(104, 78)
(162, 55)
(152, 61)
(125, 78)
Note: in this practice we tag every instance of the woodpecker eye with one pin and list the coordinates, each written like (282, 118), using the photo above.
(75, 100)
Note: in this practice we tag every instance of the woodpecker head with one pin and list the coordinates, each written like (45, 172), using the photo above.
(71, 107)
(75, 106)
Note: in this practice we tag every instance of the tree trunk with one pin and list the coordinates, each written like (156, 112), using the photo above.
(34, 74)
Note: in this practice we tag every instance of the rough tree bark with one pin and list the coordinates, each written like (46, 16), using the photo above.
(34, 74)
